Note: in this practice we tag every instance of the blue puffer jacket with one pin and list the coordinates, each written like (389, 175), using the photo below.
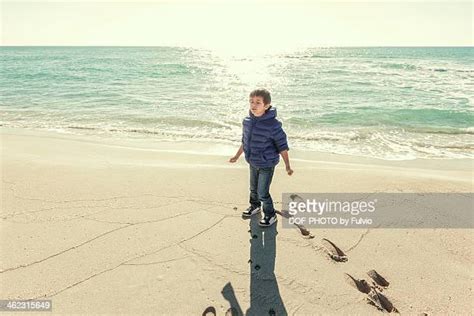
(263, 139)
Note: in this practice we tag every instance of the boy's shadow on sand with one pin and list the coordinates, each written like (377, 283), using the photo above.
(265, 296)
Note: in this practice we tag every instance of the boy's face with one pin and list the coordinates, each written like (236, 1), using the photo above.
(257, 106)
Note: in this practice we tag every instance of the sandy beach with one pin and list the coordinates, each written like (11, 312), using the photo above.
(136, 227)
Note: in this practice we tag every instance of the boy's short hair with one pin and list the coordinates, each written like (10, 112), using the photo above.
(267, 99)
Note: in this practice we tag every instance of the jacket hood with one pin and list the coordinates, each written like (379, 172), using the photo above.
(269, 114)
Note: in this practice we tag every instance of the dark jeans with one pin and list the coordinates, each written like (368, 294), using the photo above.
(260, 180)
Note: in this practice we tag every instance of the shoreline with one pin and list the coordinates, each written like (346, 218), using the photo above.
(205, 148)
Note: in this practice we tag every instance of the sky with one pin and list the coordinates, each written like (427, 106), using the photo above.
(232, 25)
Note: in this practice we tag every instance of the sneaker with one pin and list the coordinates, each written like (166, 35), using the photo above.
(252, 210)
(268, 220)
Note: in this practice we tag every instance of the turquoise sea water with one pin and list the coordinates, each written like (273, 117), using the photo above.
(390, 103)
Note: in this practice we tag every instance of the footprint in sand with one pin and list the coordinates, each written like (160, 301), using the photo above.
(294, 197)
(360, 285)
(210, 311)
(378, 279)
(303, 230)
(381, 301)
(334, 252)
(374, 297)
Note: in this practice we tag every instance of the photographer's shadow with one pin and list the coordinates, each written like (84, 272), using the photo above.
(265, 296)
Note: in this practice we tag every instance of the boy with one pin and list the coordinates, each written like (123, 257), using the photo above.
(263, 140)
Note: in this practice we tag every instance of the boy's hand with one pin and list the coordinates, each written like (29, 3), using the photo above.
(289, 170)
(237, 155)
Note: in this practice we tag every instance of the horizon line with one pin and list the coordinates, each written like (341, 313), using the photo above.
(197, 47)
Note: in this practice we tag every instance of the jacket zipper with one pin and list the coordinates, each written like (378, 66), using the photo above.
(250, 135)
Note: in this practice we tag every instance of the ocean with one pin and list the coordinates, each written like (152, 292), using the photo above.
(393, 103)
